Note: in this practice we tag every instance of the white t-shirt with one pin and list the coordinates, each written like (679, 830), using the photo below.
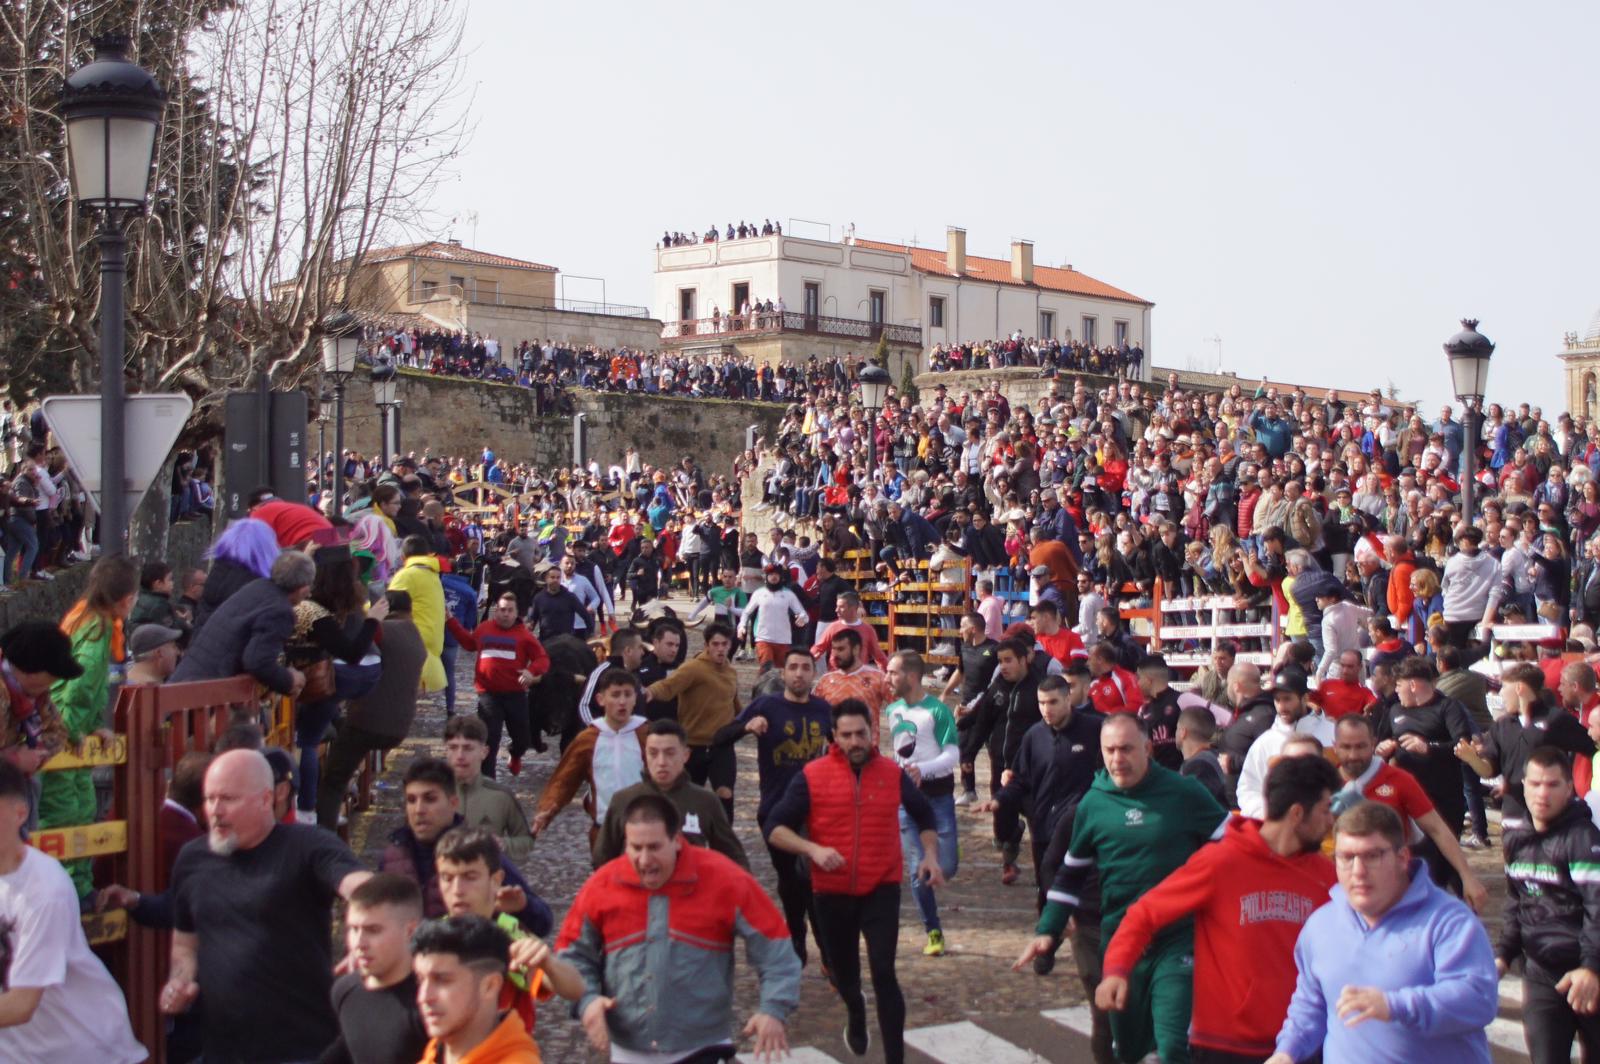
(82, 1014)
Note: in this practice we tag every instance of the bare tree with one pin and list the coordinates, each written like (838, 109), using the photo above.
(298, 134)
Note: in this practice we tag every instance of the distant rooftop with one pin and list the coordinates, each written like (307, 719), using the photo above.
(449, 251)
(998, 271)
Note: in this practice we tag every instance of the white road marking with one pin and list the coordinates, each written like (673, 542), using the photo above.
(963, 1043)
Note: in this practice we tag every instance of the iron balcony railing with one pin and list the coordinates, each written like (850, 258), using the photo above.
(790, 321)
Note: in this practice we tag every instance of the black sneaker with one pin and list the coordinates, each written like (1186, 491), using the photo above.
(856, 1036)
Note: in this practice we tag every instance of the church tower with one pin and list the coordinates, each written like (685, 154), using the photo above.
(1581, 355)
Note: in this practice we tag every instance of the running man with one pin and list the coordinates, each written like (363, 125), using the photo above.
(849, 803)
(1137, 825)
(922, 734)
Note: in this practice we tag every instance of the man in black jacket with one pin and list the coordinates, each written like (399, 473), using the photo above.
(1254, 712)
(1005, 713)
(983, 543)
(644, 574)
(1531, 721)
(1553, 898)
(248, 631)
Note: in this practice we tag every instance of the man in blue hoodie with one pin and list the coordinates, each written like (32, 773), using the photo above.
(1392, 968)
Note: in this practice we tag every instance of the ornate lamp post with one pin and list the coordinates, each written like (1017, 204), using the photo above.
(874, 381)
(341, 338)
(1469, 352)
(384, 393)
(112, 109)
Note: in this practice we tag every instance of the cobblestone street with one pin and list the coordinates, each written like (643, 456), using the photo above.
(986, 924)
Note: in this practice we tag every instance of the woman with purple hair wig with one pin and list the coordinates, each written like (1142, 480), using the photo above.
(243, 552)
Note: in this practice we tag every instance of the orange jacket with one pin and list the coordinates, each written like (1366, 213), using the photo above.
(509, 1043)
(1400, 587)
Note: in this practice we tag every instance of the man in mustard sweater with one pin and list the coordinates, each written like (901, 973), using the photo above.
(707, 690)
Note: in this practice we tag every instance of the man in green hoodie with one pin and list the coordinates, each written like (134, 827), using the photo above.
(1138, 823)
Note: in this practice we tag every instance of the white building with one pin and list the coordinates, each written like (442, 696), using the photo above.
(849, 292)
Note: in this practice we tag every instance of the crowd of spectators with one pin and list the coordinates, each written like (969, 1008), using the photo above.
(1051, 355)
(768, 227)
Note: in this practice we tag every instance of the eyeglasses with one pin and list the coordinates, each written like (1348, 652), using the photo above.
(1365, 857)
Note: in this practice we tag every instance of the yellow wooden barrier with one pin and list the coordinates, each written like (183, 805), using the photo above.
(93, 752)
(85, 840)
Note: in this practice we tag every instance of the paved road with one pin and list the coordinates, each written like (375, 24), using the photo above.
(967, 1007)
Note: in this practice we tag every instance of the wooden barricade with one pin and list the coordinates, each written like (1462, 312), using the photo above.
(155, 726)
(856, 567)
(917, 602)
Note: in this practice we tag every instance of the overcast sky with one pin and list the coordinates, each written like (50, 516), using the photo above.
(1327, 188)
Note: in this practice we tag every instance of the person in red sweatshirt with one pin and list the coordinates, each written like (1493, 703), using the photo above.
(510, 661)
(1113, 689)
(1248, 896)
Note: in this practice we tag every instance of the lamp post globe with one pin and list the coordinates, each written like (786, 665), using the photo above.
(111, 108)
(341, 342)
(1469, 352)
(874, 381)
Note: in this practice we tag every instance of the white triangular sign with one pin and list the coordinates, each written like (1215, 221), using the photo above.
(153, 424)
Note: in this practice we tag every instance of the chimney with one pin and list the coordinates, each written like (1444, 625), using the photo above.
(454, 242)
(1022, 261)
(955, 255)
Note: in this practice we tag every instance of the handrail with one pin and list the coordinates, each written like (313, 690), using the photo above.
(760, 321)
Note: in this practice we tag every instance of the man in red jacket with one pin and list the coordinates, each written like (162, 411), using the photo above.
(510, 661)
(849, 802)
(1113, 689)
(1248, 895)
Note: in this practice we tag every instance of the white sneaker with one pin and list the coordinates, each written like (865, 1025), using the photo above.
(944, 650)
(967, 798)
(305, 816)
(942, 673)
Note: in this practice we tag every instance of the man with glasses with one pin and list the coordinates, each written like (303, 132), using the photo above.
(1392, 968)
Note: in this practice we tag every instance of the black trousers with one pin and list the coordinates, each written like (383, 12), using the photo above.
(715, 767)
(506, 710)
(794, 894)
(843, 920)
(349, 748)
(1548, 1022)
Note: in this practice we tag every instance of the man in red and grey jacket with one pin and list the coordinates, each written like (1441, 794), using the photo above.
(652, 934)
(510, 661)
(849, 802)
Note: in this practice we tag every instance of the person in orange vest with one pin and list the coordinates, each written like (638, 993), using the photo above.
(461, 964)
(849, 803)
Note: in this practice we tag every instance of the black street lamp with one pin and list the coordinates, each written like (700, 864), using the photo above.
(112, 109)
(385, 391)
(324, 415)
(341, 339)
(874, 381)
(1469, 352)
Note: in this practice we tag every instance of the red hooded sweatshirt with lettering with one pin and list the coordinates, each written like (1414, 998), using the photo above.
(1248, 904)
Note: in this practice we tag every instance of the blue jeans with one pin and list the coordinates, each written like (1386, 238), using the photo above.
(21, 537)
(448, 656)
(944, 819)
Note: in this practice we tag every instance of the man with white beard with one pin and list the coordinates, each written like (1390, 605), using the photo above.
(253, 902)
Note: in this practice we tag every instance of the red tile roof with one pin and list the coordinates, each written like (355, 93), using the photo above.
(998, 271)
(446, 252)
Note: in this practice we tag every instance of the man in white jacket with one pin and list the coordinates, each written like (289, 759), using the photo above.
(1342, 624)
(778, 615)
(1296, 716)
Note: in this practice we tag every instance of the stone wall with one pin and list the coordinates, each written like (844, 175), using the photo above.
(1021, 386)
(512, 325)
(449, 415)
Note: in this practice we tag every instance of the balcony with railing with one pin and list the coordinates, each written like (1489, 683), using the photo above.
(790, 321)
